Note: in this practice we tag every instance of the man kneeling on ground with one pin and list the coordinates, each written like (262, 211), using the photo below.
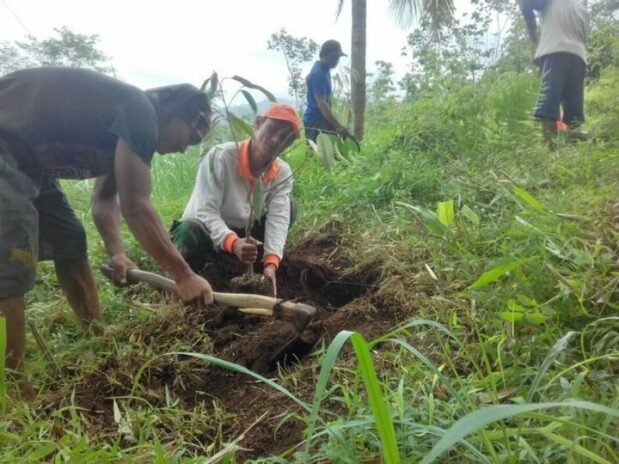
(218, 211)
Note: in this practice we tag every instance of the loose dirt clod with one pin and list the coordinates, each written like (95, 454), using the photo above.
(256, 284)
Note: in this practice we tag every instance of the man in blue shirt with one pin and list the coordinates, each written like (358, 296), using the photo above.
(318, 116)
(561, 55)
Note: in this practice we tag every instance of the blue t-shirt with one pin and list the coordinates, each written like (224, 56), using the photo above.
(318, 83)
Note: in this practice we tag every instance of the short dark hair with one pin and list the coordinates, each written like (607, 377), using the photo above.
(182, 100)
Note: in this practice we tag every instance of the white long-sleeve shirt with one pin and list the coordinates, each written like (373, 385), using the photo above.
(220, 198)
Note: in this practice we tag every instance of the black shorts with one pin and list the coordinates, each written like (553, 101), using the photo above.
(61, 235)
(563, 86)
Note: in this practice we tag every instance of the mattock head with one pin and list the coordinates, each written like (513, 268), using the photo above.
(303, 315)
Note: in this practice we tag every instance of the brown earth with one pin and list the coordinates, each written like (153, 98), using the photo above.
(315, 272)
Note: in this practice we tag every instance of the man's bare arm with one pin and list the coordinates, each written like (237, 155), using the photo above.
(133, 181)
(106, 214)
(325, 109)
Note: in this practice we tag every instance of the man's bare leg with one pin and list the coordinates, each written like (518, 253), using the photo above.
(14, 311)
(78, 284)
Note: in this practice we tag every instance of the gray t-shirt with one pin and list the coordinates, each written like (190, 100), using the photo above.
(69, 120)
(564, 28)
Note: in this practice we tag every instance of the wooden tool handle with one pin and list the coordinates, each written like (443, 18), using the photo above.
(298, 314)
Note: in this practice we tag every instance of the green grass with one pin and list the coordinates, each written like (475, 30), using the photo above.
(496, 256)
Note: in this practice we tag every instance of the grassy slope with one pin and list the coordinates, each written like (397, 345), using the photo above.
(472, 147)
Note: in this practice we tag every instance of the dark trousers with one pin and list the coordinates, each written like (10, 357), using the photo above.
(312, 129)
(563, 86)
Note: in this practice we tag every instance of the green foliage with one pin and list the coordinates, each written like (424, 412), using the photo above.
(64, 48)
(602, 42)
(505, 254)
(602, 101)
(2, 363)
(296, 51)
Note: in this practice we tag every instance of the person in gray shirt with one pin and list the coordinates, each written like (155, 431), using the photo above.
(561, 56)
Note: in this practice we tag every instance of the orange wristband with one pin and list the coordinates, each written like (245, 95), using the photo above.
(272, 259)
(229, 242)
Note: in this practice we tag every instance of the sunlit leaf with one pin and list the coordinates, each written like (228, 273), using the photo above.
(529, 199)
(536, 318)
(429, 218)
(445, 212)
(515, 307)
(512, 317)
(494, 273)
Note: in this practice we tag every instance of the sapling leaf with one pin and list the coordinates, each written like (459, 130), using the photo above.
(251, 85)
(239, 126)
(214, 82)
(250, 99)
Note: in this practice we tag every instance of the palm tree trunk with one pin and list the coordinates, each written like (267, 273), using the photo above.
(357, 64)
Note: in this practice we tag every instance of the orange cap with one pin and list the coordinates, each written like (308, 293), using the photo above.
(286, 113)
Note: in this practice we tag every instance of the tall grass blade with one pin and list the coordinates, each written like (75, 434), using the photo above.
(529, 199)
(551, 357)
(576, 448)
(380, 410)
(478, 419)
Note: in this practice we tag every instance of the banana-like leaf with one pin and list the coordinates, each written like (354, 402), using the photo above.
(210, 85)
(251, 85)
(325, 147)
